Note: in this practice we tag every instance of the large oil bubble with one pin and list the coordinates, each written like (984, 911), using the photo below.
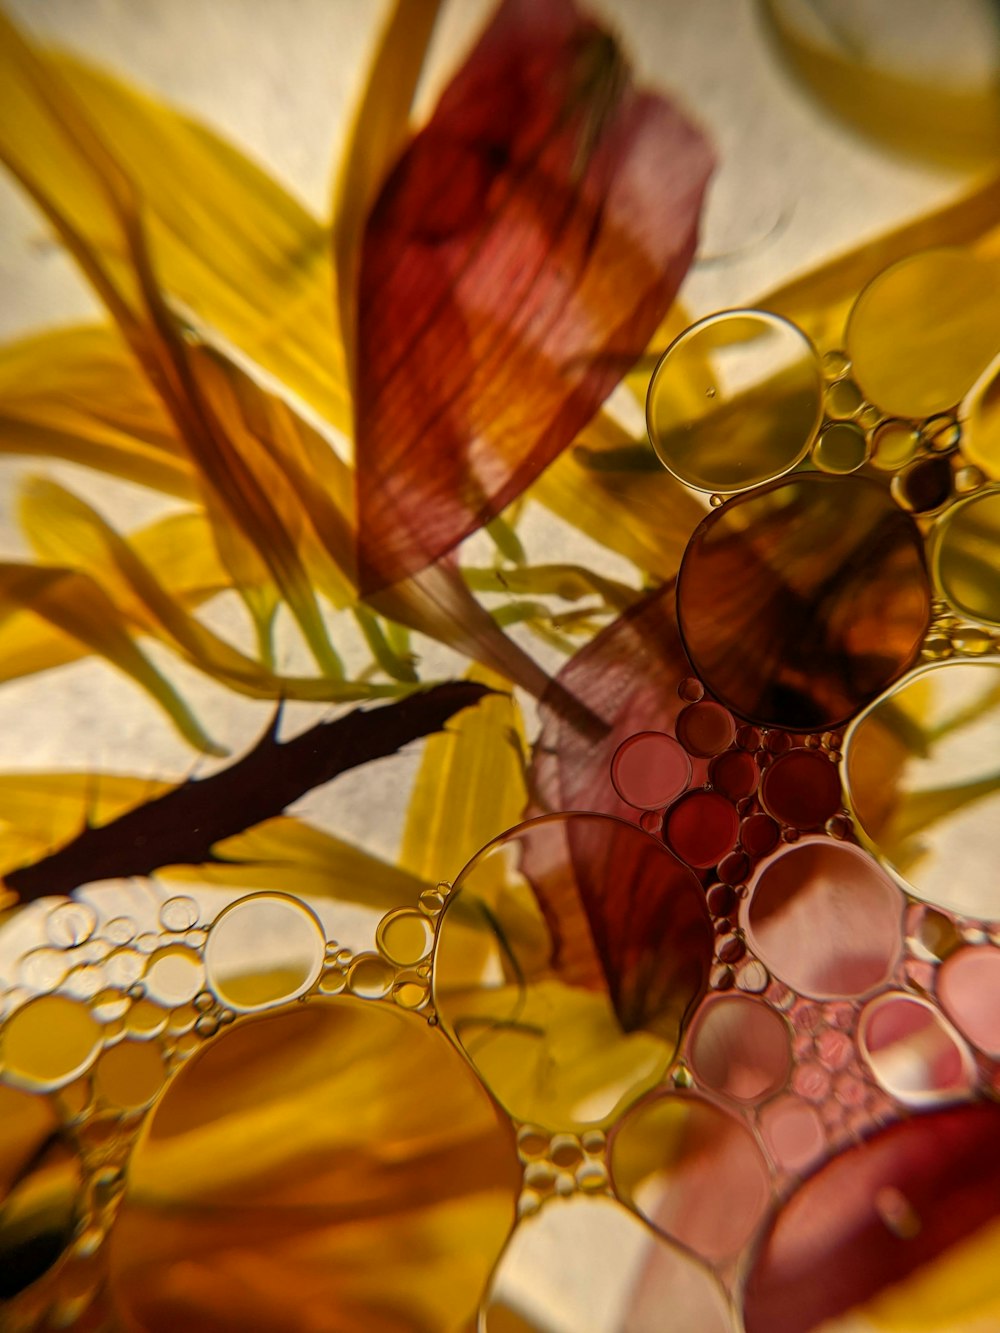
(802, 601)
(571, 952)
(263, 950)
(735, 401)
(922, 774)
(339, 1157)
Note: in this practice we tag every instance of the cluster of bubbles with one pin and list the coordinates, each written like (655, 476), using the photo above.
(790, 945)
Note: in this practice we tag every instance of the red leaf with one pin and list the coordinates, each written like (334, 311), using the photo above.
(874, 1215)
(517, 261)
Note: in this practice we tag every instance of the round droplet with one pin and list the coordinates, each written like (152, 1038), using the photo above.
(405, 937)
(70, 924)
(275, 1140)
(179, 914)
(145, 1020)
(174, 975)
(43, 969)
(370, 977)
(570, 953)
(691, 690)
(841, 448)
(734, 774)
(802, 601)
(759, 834)
(130, 1075)
(836, 364)
(843, 400)
(824, 918)
(48, 1042)
(924, 486)
(263, 950)
(969, 990)
(701, 828)
(705, 729)
(793, 1133)
(894, 444)
(735, 401)
(740, 1047)
(120, 930)
(923, 331)
(899, 1231)
(920, 771)
(802, 789)
(914, 1055)
(965, 556)
(650, 769)
(667, 1159)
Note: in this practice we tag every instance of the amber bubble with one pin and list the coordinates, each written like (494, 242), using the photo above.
(924, 486)
(800, 602)
(705, 729)
(734, 774)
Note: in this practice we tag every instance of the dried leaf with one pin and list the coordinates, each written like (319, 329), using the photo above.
(184, 824)
(522, 251)
(79, 608)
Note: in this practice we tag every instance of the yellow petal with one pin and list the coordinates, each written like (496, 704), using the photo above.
(79, 394)
(380, 130)
(231, 248)
(469, 788)
(74, 604)
(290, 856)
(643, 514)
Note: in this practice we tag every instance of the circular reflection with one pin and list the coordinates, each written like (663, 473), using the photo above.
(735, 401)
(701, 828)
(649, 769)
(969, 990)
(824, 918)
(693, 1171)
(48, 1042)
(920, 770)
(740, 1047)
(912, 1052)
(263, 950)
(556, 1273)
(895, 444)
(900, 1231)
(735, 774)
(569, 955)
(924, 330)
(405, 937)
(965, 556)
(174, 975)
(706, 729)
(801, 601)
(298, 1164)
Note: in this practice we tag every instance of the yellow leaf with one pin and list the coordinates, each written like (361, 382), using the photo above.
(290, 856)
(819, 301)
(77, 606)
(380, 130)
(230, 247)
(469, 788)
(645, 514)
(78, 394)
(66, 531)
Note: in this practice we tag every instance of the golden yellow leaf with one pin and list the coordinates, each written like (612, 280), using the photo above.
(74, 604)
(469, 788)
(642, 512)
(231, 249)
(380, 130)
(78, 394)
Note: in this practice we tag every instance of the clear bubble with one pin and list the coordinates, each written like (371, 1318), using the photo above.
(48, 1042)
(649, 769)
(120, 930)
(841, 448)
(969, 991)
(405, 937)
(69, 924)
(370, 977)
(913, 1053)
(43, 969)
(740, 1047)
(263, 950)
(894, 444)
(174, 975)
(179, 914)
(964, 556)
(735, 401)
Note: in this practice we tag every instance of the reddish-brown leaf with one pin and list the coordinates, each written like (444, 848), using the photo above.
(517, 261)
